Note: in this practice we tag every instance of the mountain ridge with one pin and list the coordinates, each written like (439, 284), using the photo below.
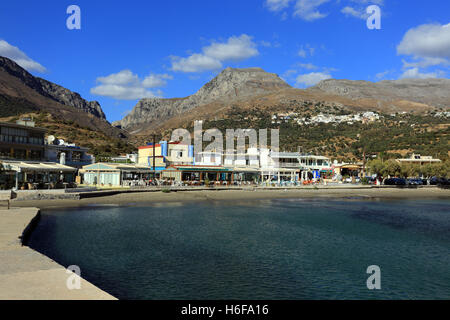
(432, 91)
(22, 94)
(231, 84)
(50, 90)
(253, 87)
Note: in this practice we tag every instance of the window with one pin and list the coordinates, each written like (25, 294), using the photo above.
(77, 156)
(36, 155)
(20, 154)
(5, 153)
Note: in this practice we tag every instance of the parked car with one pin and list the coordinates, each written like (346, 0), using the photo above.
(415, 182)
(444, 183)
(395, 182)
(434, 181)
(350, 180)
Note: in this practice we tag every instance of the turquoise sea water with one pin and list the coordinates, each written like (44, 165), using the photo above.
(281, 249)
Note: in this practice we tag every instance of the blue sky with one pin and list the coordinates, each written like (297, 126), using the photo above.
(126, 50)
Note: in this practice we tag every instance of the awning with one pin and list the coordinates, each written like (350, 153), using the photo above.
(200, 168)
(276, 170)
(245, 169)
(36, 167)
(351, 167)
(116, 167)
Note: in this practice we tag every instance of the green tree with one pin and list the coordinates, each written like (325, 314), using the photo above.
(391, 168)
(427, 170)
(409, 170)
(376, 167)
(441, 169)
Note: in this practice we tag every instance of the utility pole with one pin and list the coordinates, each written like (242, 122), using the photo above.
(154, 156)
(364, 163)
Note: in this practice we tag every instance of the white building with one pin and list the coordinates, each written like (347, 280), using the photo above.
(271, 165)
(67, 154)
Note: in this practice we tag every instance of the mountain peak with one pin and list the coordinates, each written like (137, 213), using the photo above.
(233, 83)
(230, 85)
(48, 89)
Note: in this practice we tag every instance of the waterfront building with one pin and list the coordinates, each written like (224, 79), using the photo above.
(179, 154)
(348, 169)
(126, 158)
(315, 167)
(209, 158)
(166, 154)
(300, 166)
(29, 175)
(277, 166)
(147, 157)
(176, 162)
(419, 159)
(22, 141)
(198, 175)
(59, 151)
(115, 174)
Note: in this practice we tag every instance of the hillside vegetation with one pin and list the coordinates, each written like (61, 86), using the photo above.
(392, 136)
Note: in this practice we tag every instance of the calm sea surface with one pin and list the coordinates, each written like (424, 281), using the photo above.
(282, 249)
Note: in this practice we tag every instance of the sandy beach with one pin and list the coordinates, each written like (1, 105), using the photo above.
(140, 198)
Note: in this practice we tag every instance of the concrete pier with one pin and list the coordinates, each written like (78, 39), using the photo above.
(28, 275)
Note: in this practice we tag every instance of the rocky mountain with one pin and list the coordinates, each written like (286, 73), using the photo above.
(229, 86)
(255, 88)
(433, 92)
(69, 98)
(50, 90)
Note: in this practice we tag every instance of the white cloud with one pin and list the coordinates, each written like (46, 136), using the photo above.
(427, 40)
(235, 49)
(382, 75)
(123, 77)
(311, 79)
(359, 9)
(289, 73)
(306, 50)
(195, 63)
(414, 73)
(18, 56)
(307, 66)
(308, 9)
(350, 11)
(379, 2)
(277, 5)
(425, 63)
(428, 45)
(302, 53)
(125, 85)
(156, 80)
